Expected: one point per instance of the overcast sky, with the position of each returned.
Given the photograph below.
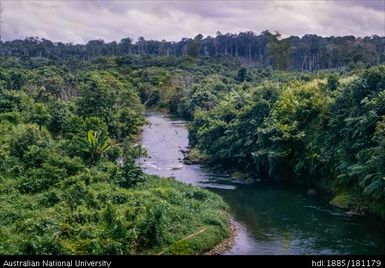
(78, 21)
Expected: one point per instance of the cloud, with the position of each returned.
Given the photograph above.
(83, 20)
(367, 4)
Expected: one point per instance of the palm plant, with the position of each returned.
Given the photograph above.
(95, 145)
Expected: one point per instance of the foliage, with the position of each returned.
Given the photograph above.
(68, 179)
(308, 53)
(95, 145)
(69, 183)
(324, 132)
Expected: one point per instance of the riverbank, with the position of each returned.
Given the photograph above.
(191, 220)
(352, 203)
(272, 218)
(226, 244)
(157, 215)
(211, 226)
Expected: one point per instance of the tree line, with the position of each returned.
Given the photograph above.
(308, 53)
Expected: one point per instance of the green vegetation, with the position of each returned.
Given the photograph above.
(88, 214)
(68, 179)
(323, 131)
(69, 183)
(307, 53)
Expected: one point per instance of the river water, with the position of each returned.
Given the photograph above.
(271, 219)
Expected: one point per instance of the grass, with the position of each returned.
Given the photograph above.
(342, 200)
(195, 156)
(158, 216)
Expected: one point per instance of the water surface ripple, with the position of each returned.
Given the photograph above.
(271, 219)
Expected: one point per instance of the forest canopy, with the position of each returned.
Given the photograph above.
(307, 111)
(69, 183)
(307, 53)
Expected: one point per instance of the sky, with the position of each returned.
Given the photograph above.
(79, 21)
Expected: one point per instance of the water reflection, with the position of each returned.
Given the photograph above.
(272, 219)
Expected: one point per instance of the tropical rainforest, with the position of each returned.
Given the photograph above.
(304, 111)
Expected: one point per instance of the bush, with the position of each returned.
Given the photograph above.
(26, 136)
(130, 175)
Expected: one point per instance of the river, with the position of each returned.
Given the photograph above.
(271, 219)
